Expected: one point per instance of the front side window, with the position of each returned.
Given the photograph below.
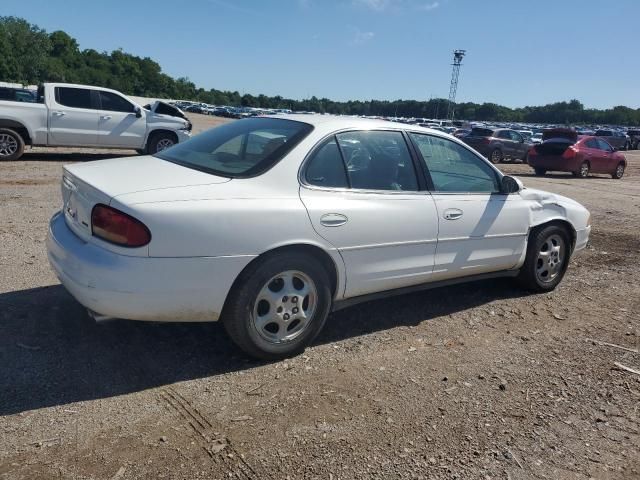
(453, 168)
(602, 145)
(74, 97)
(516, 137)
(504, 134)
(115, 103)
(378, 160)
(239, 149)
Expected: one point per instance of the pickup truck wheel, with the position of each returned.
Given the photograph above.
(160, 141)
(278, 306)
(496, 156)
(548, 253)
(11, 145)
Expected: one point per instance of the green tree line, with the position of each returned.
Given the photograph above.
(30, 55)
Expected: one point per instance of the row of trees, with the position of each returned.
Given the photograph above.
(30, 55)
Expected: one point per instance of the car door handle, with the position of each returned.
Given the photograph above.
(105, 117)
(59, 114)
(452, 214)
(333, 220)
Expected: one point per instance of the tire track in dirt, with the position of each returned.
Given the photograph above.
(218, 447)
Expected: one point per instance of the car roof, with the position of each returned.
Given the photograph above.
(337, 122)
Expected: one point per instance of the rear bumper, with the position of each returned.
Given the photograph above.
(140, 288)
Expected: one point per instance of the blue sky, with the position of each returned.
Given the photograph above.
(519, 52)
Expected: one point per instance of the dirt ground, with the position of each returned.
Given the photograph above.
(476, 381)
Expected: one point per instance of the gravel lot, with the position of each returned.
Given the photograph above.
(475, 381)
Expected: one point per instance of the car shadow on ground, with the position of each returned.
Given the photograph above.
(53, 156)
(51, 353)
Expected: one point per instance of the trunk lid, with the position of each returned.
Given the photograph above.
(556, 141)
(86, 184)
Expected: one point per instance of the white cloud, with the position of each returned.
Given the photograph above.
(429, 6)
(396, 5)
(360, 37)
(377, 5)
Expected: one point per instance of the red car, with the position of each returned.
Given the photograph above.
(562, 150)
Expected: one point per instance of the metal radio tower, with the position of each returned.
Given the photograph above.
(458, 55)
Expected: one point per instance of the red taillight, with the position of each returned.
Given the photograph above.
(570, 152)
(117, 227)
(532, 151)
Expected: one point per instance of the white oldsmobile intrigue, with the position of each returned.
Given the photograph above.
(270, 223)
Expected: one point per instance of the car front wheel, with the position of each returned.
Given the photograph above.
(547, 259)
(160, 141)
(278, 306)
(619, 171)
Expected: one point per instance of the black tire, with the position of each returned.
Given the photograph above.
(583, 170)
(496, 156)
(141, 151)
(540, 172)
(528, 276)
(619, 172)
(238, 314)
(627, 146)
(11, 145)
(159, 141)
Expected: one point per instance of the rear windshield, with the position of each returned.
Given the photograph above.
(481, 132)
(243, 148)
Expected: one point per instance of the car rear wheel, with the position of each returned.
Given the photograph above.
(278, 306)
(496, 156)
(541, 172)
(160, 141)
(11, 145)
(583, 171)
(619, 172)
(547, 259)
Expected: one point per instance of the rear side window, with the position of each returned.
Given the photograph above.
(239, 149)
(74, 97)
(604, 146)
(591, 143)
(453, 168)
(115, 103)
(326, 168)
(505, 134)
(378, 160)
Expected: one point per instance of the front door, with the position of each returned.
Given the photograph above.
(119, 126)
(363, 196)
(480, 229)
(73, 118)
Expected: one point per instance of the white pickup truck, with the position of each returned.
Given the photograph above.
(67, 115)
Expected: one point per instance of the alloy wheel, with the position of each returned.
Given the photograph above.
(8, 145)
(164, 143)
(550, 258)
(285, 307)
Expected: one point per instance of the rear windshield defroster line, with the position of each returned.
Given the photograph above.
(239, 149)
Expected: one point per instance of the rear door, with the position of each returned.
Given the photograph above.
(480, 230)
(363, 196)
(507, 143)
(119, 126)
(520, 148)
(73, 117)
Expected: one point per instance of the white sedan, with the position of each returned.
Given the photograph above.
(269, 224)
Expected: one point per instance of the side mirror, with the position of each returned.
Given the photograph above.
(510, 185)
(138, 111)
